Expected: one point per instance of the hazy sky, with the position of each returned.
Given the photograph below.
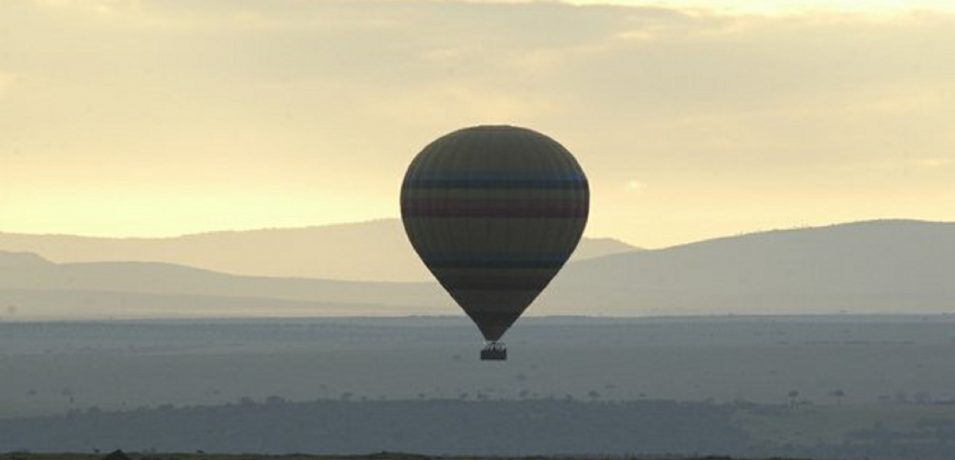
(692, 118)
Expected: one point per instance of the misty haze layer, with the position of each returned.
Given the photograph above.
(870, 267)
(366, 251)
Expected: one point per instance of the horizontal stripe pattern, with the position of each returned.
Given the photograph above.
(498, 210)
(512, 282)
(491, 261)
(494, 212)
(497, 183)
(448, 194)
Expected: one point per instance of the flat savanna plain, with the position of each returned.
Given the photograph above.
(804, 387)
(52, 368)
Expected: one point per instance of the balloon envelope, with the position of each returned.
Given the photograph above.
(494, 212)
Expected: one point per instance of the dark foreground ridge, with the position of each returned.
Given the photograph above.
(562, 428)
(120, 455)
(432, 427)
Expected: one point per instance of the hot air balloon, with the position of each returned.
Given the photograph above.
(494, 212)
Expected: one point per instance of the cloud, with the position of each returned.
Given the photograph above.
(635, 186)
(90, 6)
(933, 162)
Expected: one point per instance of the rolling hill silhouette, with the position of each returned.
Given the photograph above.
(37, 287)
(897, 266)
(366, 251)
(866, 267)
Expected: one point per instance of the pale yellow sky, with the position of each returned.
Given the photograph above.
(693, 119)
(782, 7)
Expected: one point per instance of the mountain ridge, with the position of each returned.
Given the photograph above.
(896, 266)
(374, 250)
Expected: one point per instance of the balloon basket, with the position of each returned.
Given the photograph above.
(494, 352)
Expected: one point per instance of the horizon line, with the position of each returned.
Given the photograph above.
(386, 219)
(465, 320)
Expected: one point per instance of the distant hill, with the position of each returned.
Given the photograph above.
(367, 251)
(867, 267)
(886, 266)
(35, 287)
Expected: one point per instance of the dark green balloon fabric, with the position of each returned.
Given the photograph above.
(494, 212)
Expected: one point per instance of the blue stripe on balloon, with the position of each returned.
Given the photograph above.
(496, 180)
(485, 261)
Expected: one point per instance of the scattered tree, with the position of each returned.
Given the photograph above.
(275, 400)
(793, 396)
(838, 394)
